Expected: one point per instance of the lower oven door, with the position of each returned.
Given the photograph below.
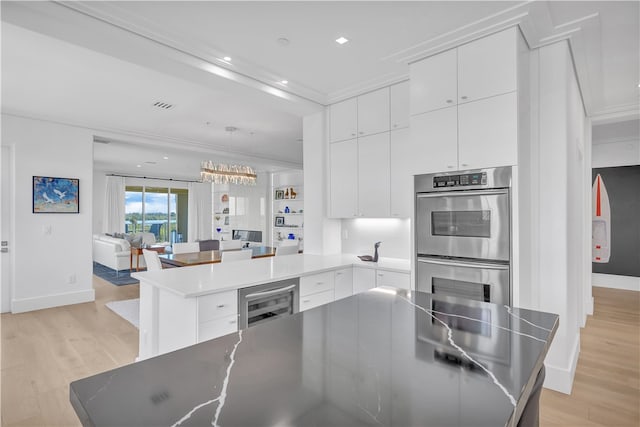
(262, 303)
(481, 281)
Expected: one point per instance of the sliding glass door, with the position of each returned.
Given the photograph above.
(158, 210)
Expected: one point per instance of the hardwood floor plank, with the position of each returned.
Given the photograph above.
(607, 380)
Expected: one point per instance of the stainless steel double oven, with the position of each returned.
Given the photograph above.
(463, 234)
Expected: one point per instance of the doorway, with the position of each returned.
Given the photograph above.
(6, 221)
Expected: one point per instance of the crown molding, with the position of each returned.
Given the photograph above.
(114, 14)
(158, 141)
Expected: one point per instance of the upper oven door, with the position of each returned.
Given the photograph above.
(466, 224)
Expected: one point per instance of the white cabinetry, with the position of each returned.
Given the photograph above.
(359, 174)
(343, 283)
(401, 158)
(344, 120)
(434, 140)
(488, 66)
(399, 105)
(488, 132)
(343, 187)
(434, 82)
(464, 105)
(363, 279)
(393, 278)
(373, 112)
(217, 315)
(373, 175)
(316, 290)
(365, 115)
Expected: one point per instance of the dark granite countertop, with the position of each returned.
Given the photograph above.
(383, 357)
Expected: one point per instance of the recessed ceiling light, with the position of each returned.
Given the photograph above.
(166, 158)
(227, 58)
(284, 82)
(341, 40)
(138, 166)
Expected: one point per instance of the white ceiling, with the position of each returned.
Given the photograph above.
(109, 61)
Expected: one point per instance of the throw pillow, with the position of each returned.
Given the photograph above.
(136, 241)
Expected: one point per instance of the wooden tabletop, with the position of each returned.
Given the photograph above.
(210, 257)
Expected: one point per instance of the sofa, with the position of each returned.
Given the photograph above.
(115, 252)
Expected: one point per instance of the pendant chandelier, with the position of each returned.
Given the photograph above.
(227, 174)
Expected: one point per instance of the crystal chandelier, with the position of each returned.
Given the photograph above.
(225, 174)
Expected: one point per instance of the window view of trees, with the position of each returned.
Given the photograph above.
(161, 211)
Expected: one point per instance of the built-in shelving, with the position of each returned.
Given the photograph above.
(288, 197)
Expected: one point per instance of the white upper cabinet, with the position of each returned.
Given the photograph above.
(488, 132)
(344, 179)
(399, 105)
(434, 82)
(344, 120)
(373, 175)
(434, 141)
(401, 155)
(488, 67)
(373, 112)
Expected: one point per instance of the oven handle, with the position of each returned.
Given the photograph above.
(271, 292)
(470, 264)
(464, 193)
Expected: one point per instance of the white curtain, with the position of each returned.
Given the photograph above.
(199, 225)
(114, 205)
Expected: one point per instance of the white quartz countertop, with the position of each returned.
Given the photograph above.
(211, 278)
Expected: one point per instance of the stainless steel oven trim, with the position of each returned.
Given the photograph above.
(501, 292)
(271, 292)
(470, 264)
(499, 177)
(465, 193)
(245, 295)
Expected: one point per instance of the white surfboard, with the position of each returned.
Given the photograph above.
(601, 227)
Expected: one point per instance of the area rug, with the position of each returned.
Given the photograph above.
(128, 309)
(123, 277)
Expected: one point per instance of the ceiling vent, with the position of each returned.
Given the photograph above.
(163, 105)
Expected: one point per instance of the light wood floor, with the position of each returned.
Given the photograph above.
(606, 388)
(43, 351)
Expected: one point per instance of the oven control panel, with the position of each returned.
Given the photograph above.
(478, 178)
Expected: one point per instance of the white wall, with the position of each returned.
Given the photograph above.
(321, 234)
(45, 264)
(612, 154)
(99, 187)
(360, 234)
(616, 144)
(562, 188)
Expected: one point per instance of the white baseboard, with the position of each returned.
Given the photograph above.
(629, 283)
(48, 301)
(561, 379)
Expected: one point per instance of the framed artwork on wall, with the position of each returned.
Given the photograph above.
(56, 195)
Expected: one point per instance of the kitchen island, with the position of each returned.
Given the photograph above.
(383, 357)
(184, 306)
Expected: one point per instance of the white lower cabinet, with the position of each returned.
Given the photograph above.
(217, 315)
(311, 301)
(316, 289)
(217, 328)
(363, 279)
(316, 283)
(393, 278)
(343, 283)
